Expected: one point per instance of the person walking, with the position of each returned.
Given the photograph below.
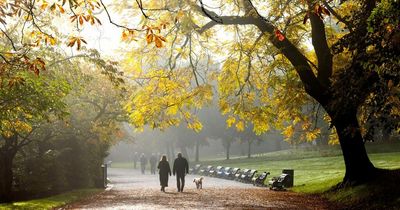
(180, 168)
(143, 162)
(164, 171)
(153, 162)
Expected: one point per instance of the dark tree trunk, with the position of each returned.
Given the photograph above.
(359, 168)
(197, 150)
(6, 175)
(249, 149)
(228, 147)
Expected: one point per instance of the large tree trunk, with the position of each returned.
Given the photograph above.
(358, 166)
(6, 175)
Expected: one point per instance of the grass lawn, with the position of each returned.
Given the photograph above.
(53, 201)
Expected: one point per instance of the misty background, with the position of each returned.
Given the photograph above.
(214, 141)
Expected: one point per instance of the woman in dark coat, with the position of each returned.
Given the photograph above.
(164, 171)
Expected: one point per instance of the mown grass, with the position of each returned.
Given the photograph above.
(53, 201)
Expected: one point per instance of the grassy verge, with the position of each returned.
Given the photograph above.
(53, 201)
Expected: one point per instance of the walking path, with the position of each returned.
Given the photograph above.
(132, 190)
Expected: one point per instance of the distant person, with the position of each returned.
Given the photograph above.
(135, 159)
(164, 171)
(143, 162)
(153, 162)
(181, 168)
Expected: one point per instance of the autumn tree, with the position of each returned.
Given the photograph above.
(320, 46)
(23, 108)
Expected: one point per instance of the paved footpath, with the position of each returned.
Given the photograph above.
(132, 190)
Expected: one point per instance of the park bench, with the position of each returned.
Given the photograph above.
(214, 171)
(242, 175)
(195, 169)
(205, 171)
(233, 173)
(280, 182)
(249, 176)
(223, 173)
(260, 179)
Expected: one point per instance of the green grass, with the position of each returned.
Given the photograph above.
(53, 201)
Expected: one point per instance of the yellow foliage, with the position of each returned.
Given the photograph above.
(288, 132)
(333, 137)
(240, 126)
(312, 135)
(195, 125)
(230, 121)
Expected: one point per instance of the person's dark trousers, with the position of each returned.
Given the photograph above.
(180, 182)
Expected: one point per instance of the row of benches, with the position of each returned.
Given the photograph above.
(245, 175)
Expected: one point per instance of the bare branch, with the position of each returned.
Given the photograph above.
(140, 5)
(112, 22)
(9, 39)
(210, 14)
(337, 16)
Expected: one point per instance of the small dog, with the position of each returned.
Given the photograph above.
(198, 182)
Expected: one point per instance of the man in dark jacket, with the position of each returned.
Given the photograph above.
(181, 168)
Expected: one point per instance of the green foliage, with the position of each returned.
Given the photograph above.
(53, 201)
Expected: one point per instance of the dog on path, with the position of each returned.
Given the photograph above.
(198, 182)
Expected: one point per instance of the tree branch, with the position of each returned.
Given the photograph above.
(337, 16)
(112, 22)
(321, 48)
(300, 62)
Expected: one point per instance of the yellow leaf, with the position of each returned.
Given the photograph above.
(52, 41)
(240, 126)
(172, 110)
(44, 5)
(230, 121)
(149, 38)
(158, 41)
(288, 131)
(80, 20)
(61, 9)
